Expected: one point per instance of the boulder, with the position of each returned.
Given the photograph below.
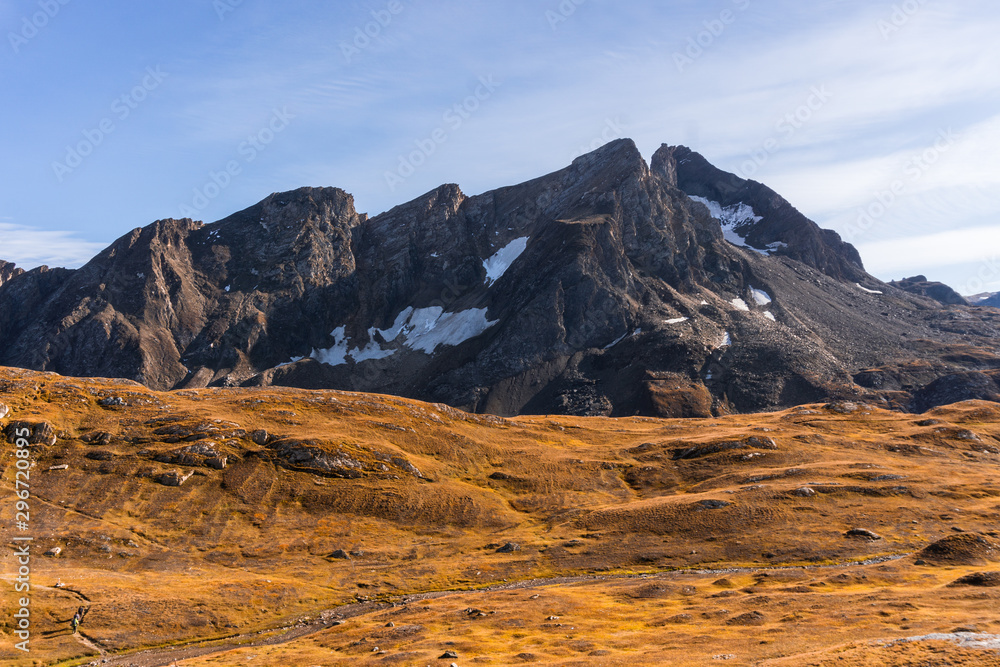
(173, 478)
(862, 534)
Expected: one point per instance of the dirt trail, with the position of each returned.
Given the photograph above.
(86, 641)
(281, 635)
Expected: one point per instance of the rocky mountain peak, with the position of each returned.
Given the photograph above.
(757, 217)
(620, 157)
(8, 271)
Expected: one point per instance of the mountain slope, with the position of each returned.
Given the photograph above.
(609, 287)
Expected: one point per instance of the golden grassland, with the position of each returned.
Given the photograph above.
(681, 542)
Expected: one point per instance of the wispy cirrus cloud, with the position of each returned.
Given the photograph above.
(29, 247)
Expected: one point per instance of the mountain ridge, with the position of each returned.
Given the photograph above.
(608, 287)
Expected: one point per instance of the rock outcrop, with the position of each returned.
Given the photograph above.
(937, 291)
(8, 271)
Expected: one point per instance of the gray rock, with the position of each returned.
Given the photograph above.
(217, 462)
(53, 552)
(863, 534)
(448, 655)
(313, 456)
(935, 290)
(173, 478)
(4, 410)
(713, 504)
(509, 548)
(805, 492)
(260, 437)
(41, 433)
(340, 554)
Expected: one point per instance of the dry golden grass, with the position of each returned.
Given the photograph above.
(248, 548)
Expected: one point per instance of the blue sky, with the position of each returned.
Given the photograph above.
(878, 119)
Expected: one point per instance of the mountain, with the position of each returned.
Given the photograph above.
(937, 291)
(991, 299)
(610, 287)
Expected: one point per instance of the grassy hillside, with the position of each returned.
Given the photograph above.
(293, 502)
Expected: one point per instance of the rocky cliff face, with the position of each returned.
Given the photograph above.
(609, 287)
(8, 271)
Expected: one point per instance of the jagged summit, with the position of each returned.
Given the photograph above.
(8, 271)
(606, 287)
(780, 229)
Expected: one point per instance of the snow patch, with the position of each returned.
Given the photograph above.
(498, 264)
(425, 329)
(287, 363)
(371, 351)
(865, 289)
(616, 341)
(140, 275)
(677, 320)
(421, 329)
(769, 315)
(227, 287)
(336, 355)
(761, 297)
(726, 340)
(624, 336)
(740, 304)
(731, 218)
(397, 327)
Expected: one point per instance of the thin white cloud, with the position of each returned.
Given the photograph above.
(974, 246)
(29, 247)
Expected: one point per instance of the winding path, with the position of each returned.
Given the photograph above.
(274, 636)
